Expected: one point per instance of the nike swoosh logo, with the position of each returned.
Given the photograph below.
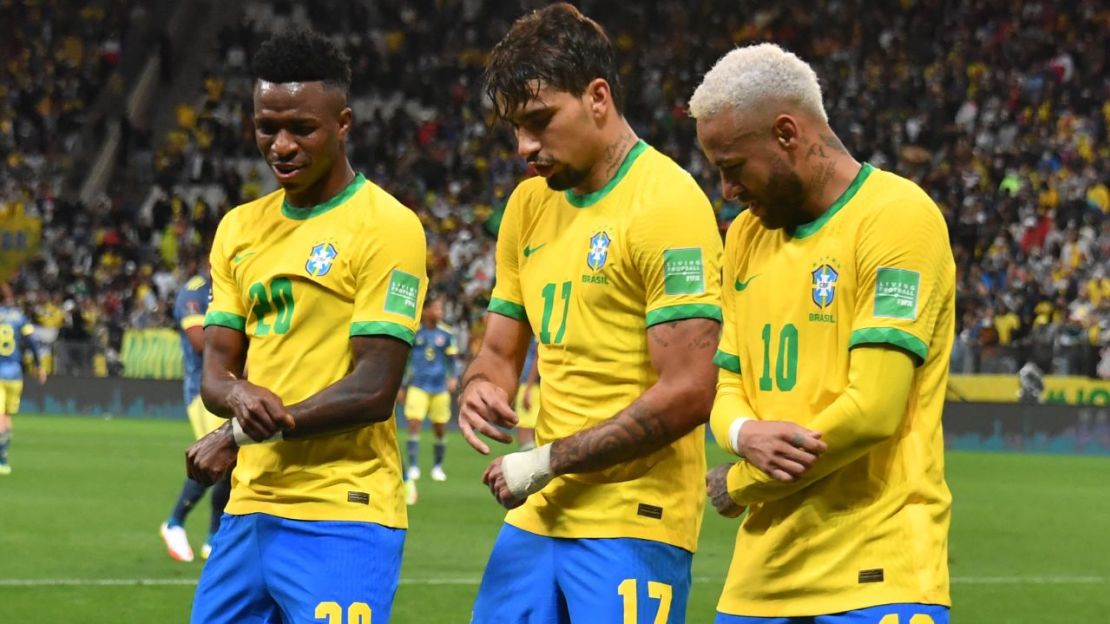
(528, 251)
(740, 286)
(241, 257)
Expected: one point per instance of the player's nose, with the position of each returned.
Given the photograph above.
(284, 145)
(526, 143)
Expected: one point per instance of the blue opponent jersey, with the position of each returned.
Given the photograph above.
(188, 311)
(14, 331)
(432, 359)
(528, 361)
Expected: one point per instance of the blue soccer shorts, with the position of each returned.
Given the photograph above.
(266, 569)
(907, 613)
(534, 579)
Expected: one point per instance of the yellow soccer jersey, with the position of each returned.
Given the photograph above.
(590, 274)
(299, 285)
(875, 269)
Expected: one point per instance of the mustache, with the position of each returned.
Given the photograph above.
(540, 162)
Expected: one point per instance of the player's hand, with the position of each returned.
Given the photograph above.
(260, 412)
(42, 375)
(495, 480)
(781, 449)
(526, 398)
(452, 385)
(482, 405)
(210, 457)
(716, 486)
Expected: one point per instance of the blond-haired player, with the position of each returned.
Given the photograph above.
(839, 291)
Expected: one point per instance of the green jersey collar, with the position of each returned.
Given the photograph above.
(300, 214)
(589, 199)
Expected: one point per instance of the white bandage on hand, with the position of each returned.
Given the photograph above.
(241, 437)
(734, 435)
(527, 472)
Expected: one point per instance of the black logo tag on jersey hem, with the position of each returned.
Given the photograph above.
(649, 511)
(871, 576)
(358, 497)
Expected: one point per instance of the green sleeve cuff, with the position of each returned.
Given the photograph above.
(682, 312)
(727, 361)
(383, 328)
(891, 336)
(226, 319)
(508, 308)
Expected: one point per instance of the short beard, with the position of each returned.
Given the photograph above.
(785, 195)
(567, 178)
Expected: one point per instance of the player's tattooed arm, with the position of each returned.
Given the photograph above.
(681, 399)
(363, 397)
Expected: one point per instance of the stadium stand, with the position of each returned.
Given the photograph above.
(999, 110)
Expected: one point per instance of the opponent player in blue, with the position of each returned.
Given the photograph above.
(430, 382)
(188, 314)
(15, 336)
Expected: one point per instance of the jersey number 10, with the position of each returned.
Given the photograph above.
(786, 364)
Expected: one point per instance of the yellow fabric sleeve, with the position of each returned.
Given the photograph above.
(731, 403)
(507, 298)
(869, 411)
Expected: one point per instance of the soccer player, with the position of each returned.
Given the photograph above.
(528, 399)
(839, 319)
(431, 382)
(15, 340)
(611, 258)
(317, 291)
(188, 312)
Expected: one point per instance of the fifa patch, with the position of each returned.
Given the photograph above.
(896, 293)
(871, 576)
(402, 294)
(649, 511)
(320, 259)
(683, 273)
(824, 285)
(358, 497)
(599, 251)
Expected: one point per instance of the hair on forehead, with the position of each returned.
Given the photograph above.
(301, 55)
(556, 46)
(747, 77)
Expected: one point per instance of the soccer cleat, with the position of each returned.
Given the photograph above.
(414, 473)
(410, 492)
(438, 474)
(206, 551)
(177, 543)
(5, 469)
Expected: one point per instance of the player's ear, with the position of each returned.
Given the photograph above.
(786, 133)
(598, 97)
(346, 118)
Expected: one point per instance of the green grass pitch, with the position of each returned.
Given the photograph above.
(79, 537)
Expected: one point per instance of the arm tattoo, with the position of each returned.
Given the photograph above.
(635, 432)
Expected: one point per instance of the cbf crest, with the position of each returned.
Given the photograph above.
(824, 285)
(599, 250)
(320, 259)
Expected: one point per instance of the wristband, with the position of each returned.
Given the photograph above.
(527, 472)
(734, 435)
(241, 437)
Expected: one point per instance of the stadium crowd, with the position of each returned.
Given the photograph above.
(999, 110)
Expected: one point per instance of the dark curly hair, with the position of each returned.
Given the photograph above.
(302, 56)
(557, 46)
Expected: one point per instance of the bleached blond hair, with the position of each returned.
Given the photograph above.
(747, 77)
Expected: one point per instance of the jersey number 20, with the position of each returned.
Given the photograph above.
(332, 613)
(279, 299)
